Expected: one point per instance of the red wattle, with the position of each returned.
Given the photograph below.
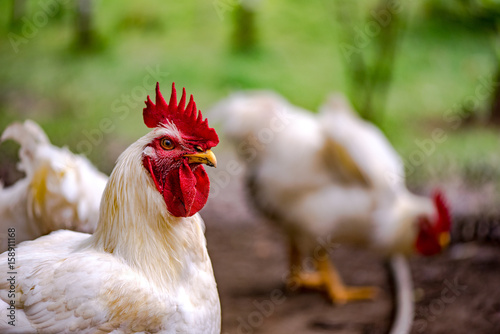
(186, 190)
(427, 242)
(148, 164)
(426, 245)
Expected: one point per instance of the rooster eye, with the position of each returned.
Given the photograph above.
(198, 148)
(166, 144)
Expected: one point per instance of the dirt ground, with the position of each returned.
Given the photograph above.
(457, 291)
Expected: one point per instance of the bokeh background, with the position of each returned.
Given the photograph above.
(426, 72)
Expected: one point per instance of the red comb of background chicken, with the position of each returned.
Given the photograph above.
(444, 221)
(189, 121)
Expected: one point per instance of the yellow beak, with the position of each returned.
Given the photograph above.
(208, 158)
(444, 239)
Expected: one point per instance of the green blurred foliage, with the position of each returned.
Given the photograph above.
(436, 68)
(476, 14)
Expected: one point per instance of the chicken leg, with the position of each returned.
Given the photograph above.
(325, 278)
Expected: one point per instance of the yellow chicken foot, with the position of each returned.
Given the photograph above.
(298, 277)
(337, 291)
(327, 278)
(309, 279)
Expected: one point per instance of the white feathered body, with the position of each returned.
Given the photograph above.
(327, 177)
(142, 271)
(61, 190)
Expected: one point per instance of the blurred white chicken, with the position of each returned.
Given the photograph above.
(328, 178)
(61, 190)
(146, 268)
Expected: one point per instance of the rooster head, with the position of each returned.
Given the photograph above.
(175, 156)
(433, 237)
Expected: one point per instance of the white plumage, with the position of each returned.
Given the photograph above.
(142, 271)
(326, 177)
(61, 190)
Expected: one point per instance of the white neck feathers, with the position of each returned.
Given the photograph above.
(134, 223)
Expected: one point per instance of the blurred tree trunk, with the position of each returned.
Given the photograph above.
(18, 11)
(381, 76)
(494, 116)
(245, 32)
(84, 32)
(369, 73)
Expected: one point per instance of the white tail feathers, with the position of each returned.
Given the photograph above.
(27, 134)
(30, 136)
(337, 102)
(60, 189)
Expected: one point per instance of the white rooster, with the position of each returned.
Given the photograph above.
(328, 178)
(146, 268)
(61, 190)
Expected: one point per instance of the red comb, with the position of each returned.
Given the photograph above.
(188, 120)
(444, 221)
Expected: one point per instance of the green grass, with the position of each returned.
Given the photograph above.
(68, 91)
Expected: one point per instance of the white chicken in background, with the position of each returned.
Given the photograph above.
(61, 190)
(146, 268)
(328, 178)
